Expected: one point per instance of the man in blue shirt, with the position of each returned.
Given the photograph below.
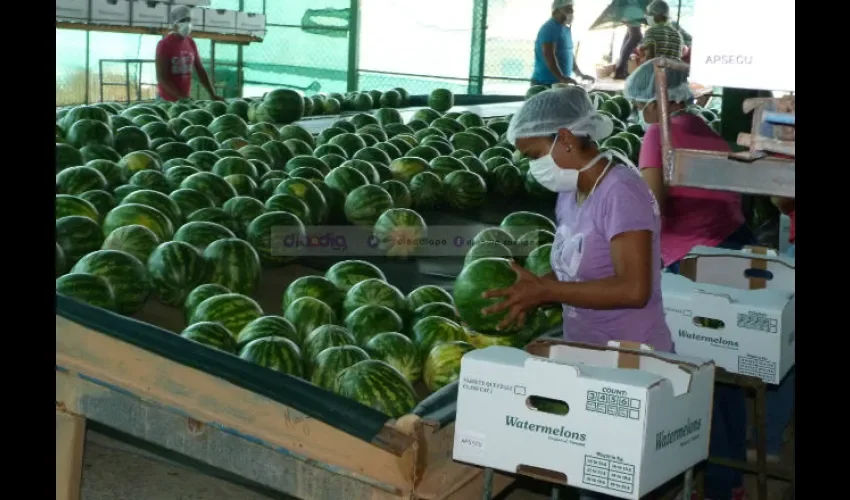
(554, 61)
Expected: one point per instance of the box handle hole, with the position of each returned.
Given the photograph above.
(548, 405)
(714, 324)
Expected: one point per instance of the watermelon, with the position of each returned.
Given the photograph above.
(110, 171)
(200, 294)
(151, 179)
(266, 326)
(67, 204)
(88, 288)
(201, 234)
(67, 156)
(441, 100)
(366, 203)
(539, 260)
(135, 239)
(495, 234)
(426, 189)
(309, 194)
(330, 362)
(273, 235)
(211, 334)
(531, 240)
(367, 321)
(468, 119)
(61, 265)
(427, 294)
(243, 209)
(242, 184)
(374, 292)
(135, 162)
(291, 204)
(234, 165)
(442, 365)
(398, 232)
(476, 278)
(234, 264)
(348, 273)
(322, 338)
(506, 181)
(211, 185)
(481, 340)
(238, 107)
(129, 139)
(397, 351)
(406, 167)
(399, 193)
(518, 223)
(346, 179)
(126, 275)
(266, 128)
(307, 314)
(377, 385)
(232, 310)
(98, 152)
(85, 132)
(215, 215)
(77, 180)
(317, 287)
(465, 190)
(432, 330)
(135, 213)
(190, 200)
(77, 236)
(277, 353)
(442, 309)
(390, 99)
(203, 160)
(229, 123)
(282, 106)
(487, 249)
(444, 165)
(154, 199)
(176, 268)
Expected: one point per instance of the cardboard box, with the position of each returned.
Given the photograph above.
(636, 418)
(194, 3)
(749, 295)
(784, 233)
(150, 14)
(742, 57)
(251, 24)
(197, 18)
(220, 21)
(75, 11)
(113, 12)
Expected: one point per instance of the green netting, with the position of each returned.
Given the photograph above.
(70, 67)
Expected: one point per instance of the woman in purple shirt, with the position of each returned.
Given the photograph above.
(606, 255)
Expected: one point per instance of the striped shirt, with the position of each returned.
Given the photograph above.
(664, 39)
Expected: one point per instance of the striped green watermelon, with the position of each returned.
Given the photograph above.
(482, 340)
(351, 143)
(135, 239)
(121, 191)
(77, 180)
(506, 181)
(151, 179)
(377, 385)
(346, 179)
(203, 160)
(135, 162)
(375, 292)
(125, 274)
(267, 326)
(67, 204)
(317, 287)
(157, 200)
(61, 265)
(233, 263)
(347, 273)
(531, 240)
(399, 193)
(291, 204)
(465, 190)
(487, 249)
(102, 201)
(493, 163)
(270, 233)
(495, 234)
(367, 321)
(399, 232)
(441, 309)
(279, 153)
(200, 294)
(444, 165)
(234, 165)
(78, 236)
(229, 123)
(372, 155)
(176, 268)
(365, 168)
(426, 153)
(201, 234)
(136, 213)
(427, 294)
(85, 132)
(88, 288)
(307, 314)
(242, 184)
(475, 165)
(404, 169)
(215, 215)
(539, 260)
(110, 171)
(282, 106)
(211, 334)
(277, 353)
(232, 310)
(461, 153)
(244, 209)
(332, 361)
(301, 161)
(426, 189)
(397, 351)
(322, 338)
(442, 365)
(212, 186)
(476, 278)
(365, 204)
(519, 223)
(335, 201)
(309, 193)
(432, 330)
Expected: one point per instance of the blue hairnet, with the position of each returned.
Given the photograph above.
(640, 85)
(551, 110)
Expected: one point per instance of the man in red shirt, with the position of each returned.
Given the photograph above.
(176, 56)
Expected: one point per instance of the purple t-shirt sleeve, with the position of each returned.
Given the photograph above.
(650, 151)
(629, 206)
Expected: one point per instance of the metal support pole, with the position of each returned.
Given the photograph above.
(477, 52)
(488, 484)
(354, 46)
(88, 71)
(127, 79)
(664, 107)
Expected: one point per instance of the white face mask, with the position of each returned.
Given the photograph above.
(183, 29)
(650, 20)
(554, 178)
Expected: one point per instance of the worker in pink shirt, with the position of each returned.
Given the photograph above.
(177, 56)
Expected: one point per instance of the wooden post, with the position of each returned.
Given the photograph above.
(70, 440)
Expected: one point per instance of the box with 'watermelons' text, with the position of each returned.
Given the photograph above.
(736, 307)
(610, 419)
(220, 21)
(75, 11)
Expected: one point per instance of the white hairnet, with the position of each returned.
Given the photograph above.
(640, 85)
(180, 12)
(658, 8)
(551, 110)
(560, 4)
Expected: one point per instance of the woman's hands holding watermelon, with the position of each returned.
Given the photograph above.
(528, 292)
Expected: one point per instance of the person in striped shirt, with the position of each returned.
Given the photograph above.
(661, 39)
